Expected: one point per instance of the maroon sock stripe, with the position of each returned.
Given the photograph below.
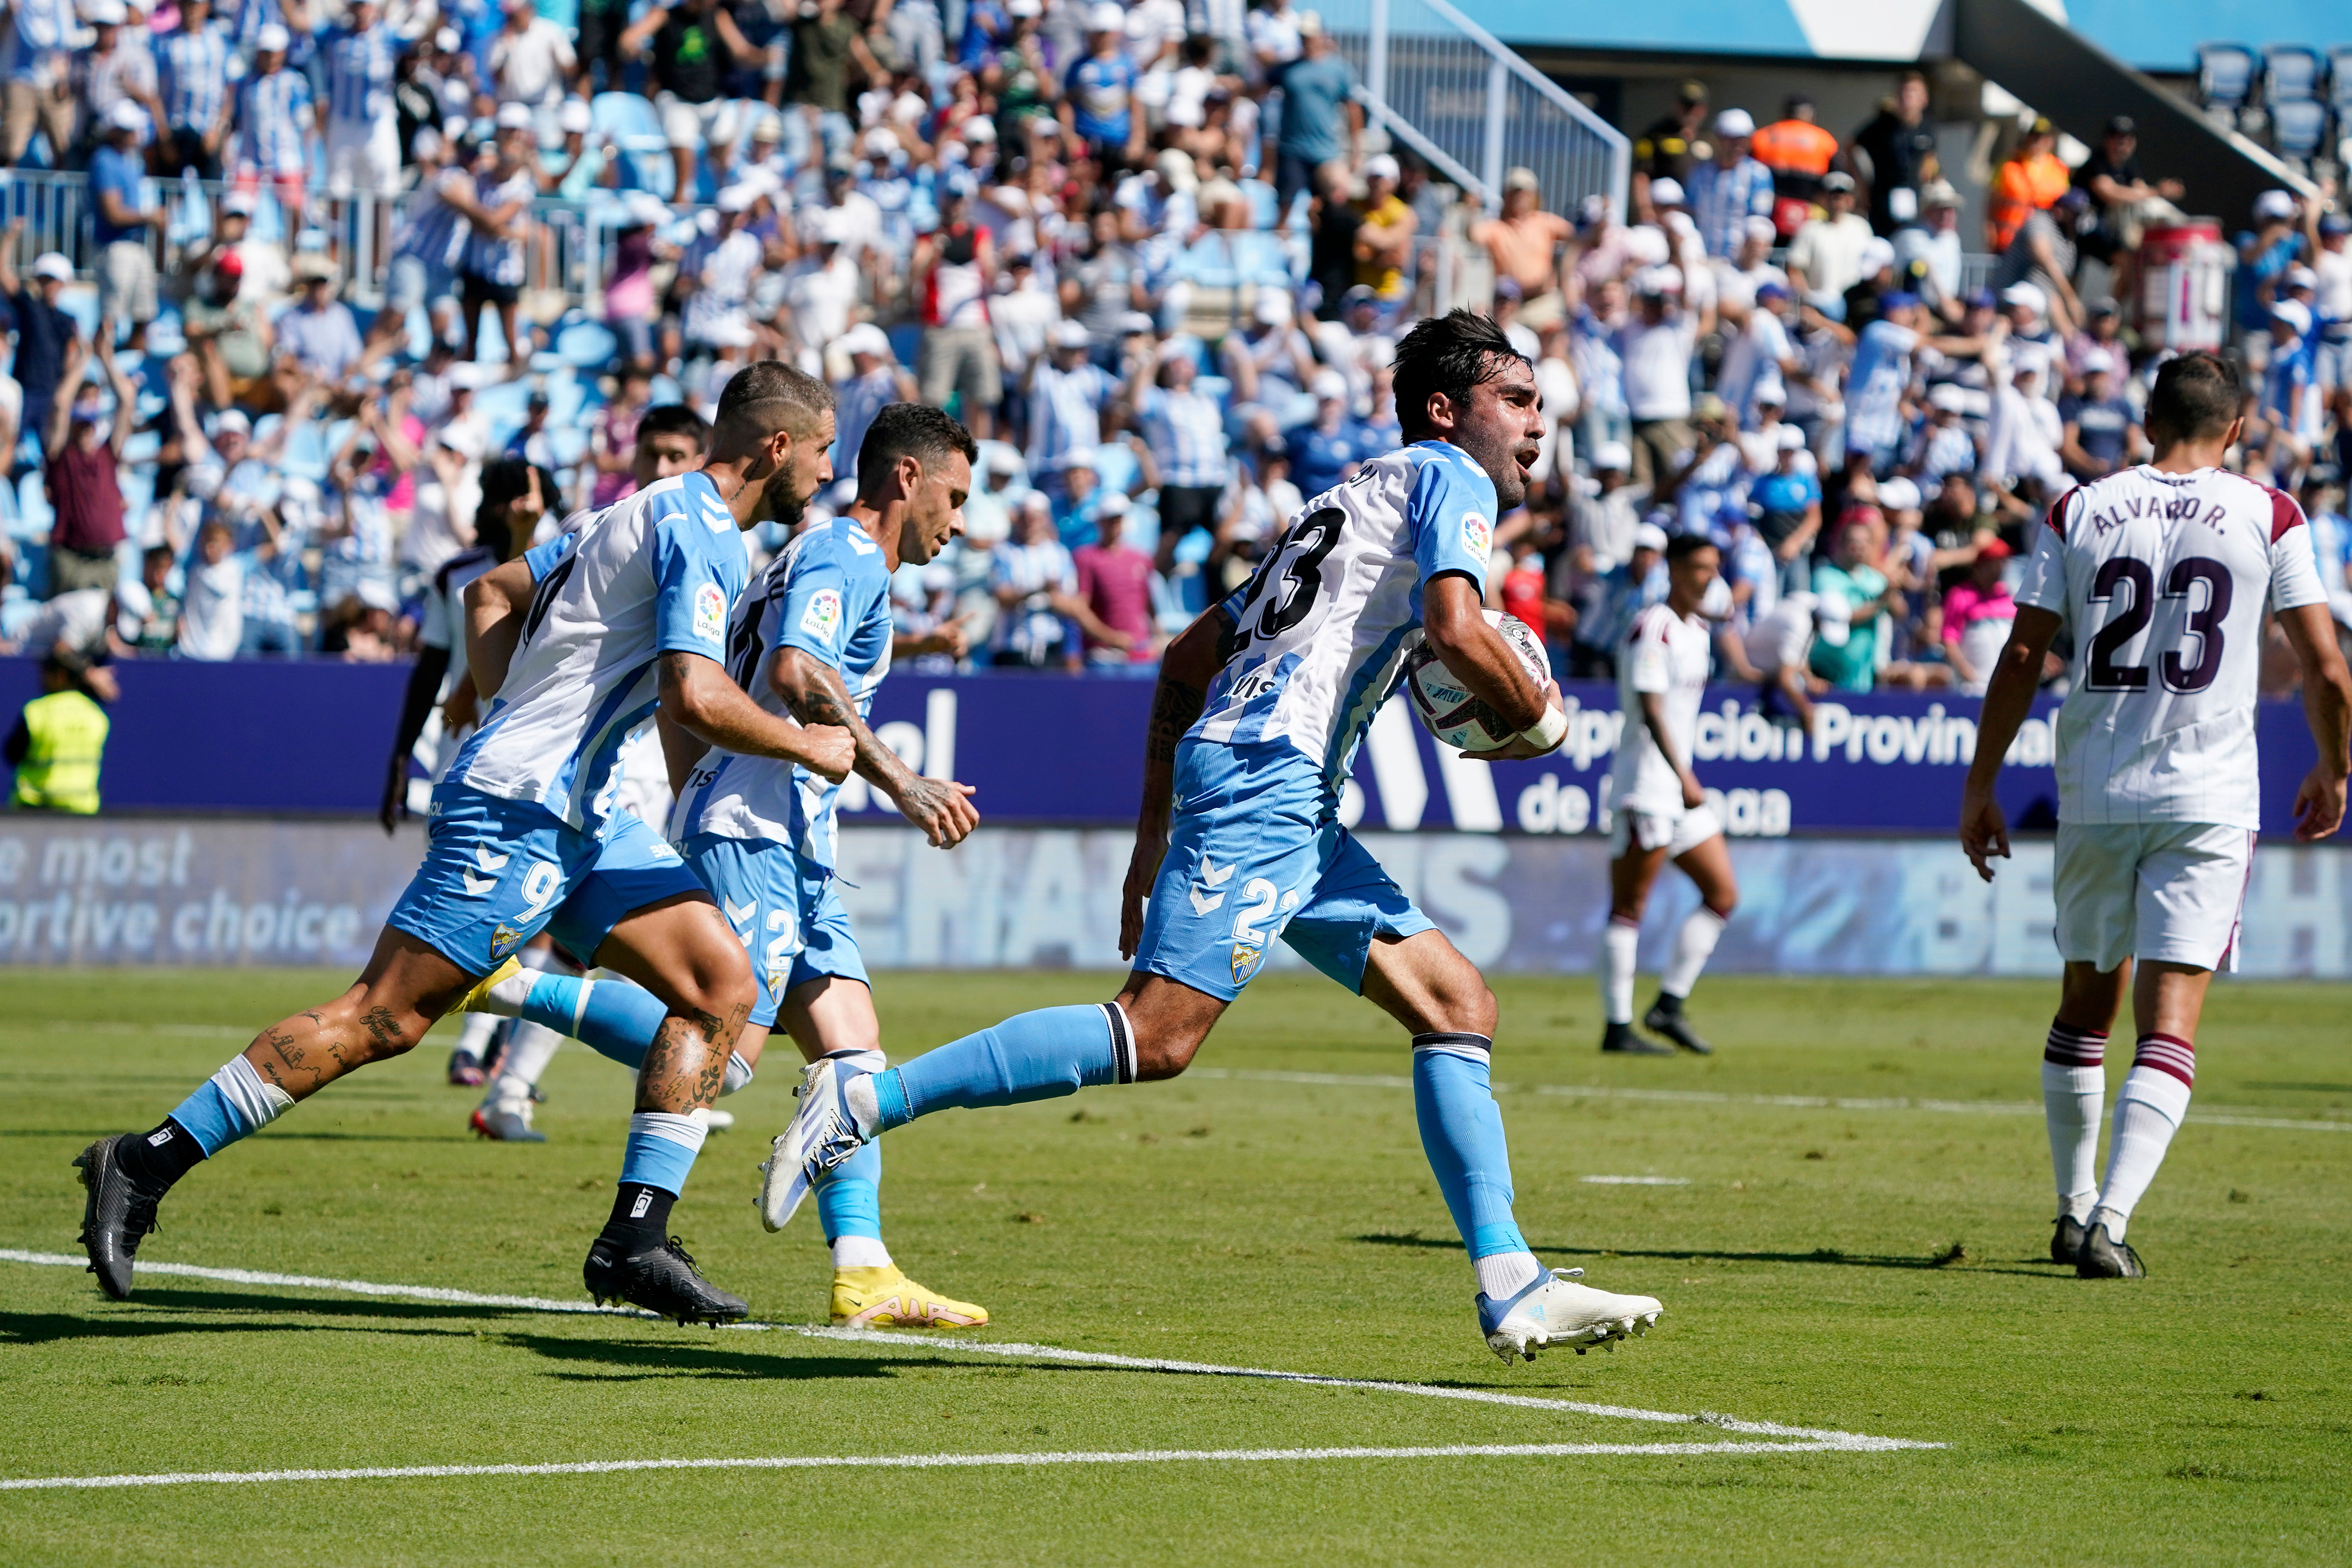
(2167, 1054)
(2072, 1048)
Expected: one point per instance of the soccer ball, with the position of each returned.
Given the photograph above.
(1447, 710)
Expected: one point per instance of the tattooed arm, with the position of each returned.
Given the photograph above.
(1190, 662)
(703, 700)
(813, 691)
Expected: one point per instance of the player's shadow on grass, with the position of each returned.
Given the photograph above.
(638, 1361)
(1929, 1262)
(53, 1328)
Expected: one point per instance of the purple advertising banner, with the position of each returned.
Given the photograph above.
(278, 738)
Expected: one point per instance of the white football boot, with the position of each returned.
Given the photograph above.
(1555, 1311)
(821, 1135)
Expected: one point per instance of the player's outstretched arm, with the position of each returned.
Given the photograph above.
(813, 691)
(2327, 708)
(2008, 698)
(1186, 667)
(703, 700)
(1455, 623)
(495, 605)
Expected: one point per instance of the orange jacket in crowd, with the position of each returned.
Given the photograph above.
(2020, 187)
(1795, 146)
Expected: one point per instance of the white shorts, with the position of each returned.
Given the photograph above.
(692, 125)
(363, 160)
(1680, 830)
(2170, 891)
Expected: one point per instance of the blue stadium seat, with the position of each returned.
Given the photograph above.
(2340, 78)
(586, 345)
(2292, 73)
(636, 133)
(2225, 75)
(2299, 128)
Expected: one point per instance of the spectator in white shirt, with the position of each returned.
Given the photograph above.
(212, 610)
(530, 58)
(1825, 258)
(1656, 346)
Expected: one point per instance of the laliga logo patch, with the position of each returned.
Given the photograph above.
(709, 613)
(823, 616)
(1245, 961)
(1478, 534)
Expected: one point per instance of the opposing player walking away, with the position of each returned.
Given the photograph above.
(1260, 706)
(2161, 574)
(811, 639)
(1660, 812)
(628, 613)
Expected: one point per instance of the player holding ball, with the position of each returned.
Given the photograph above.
(1260, 707)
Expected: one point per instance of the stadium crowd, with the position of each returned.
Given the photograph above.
(1150, 253)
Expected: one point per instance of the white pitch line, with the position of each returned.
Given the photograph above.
(1824, 1438)
(2222, 1116)
(1637, 1181)
(917, 1462)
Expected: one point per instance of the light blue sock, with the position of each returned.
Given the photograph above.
(233, 1103)
(849, 1196)
(661, 1150)
(1461, 1134)
(1034, 1055)
(615, 1019)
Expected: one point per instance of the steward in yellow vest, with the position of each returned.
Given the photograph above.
(57, 745)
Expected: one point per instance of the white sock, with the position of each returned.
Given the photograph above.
(860, 1252)
(1694, 942)
(473, 1034)
(2073, 1085)
(1618, 944)
(858, 1095)
(738, 1073)
(528, 1050)
(2148, 1112)
(1506, 1274)
(506, 998)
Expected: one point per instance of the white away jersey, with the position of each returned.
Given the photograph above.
(1321, 631)
(1665, 655)
(2162, 579)
(654, 574)
(827, 595)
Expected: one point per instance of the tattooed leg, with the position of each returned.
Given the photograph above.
(405, 986)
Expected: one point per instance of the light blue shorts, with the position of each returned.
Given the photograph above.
(1255, 853)
(498, 872)
(788, 913)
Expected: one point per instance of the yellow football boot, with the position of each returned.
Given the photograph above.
(885, 1299)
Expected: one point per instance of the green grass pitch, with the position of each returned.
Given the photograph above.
(1877, 1268)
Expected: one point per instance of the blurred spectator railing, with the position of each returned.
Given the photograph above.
(1461, 94)
(569, 251)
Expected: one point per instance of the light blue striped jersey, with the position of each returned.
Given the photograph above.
(435, 232)
(1321, 631)
(828, 594)
(270, 111)
(193, 70)
(654, 574)
(488, 258)
(360, 63)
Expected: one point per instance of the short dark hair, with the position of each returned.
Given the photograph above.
(508, 479)
(1683, 545)
(914, 430)
(767, 395)
(1449, 354)
(676, 420)
(2195, 398)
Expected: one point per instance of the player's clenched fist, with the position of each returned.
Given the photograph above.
(828, 749)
